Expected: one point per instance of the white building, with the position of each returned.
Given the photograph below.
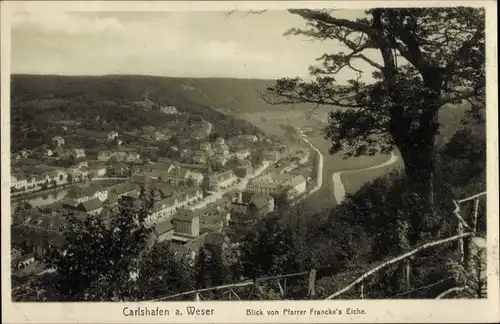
(242, 154)
(222, 180)
(112, 135)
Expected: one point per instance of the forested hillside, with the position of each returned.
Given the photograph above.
(121, 103)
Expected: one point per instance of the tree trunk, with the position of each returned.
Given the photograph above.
(417, 150)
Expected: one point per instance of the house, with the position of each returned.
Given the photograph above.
(118, 169)
(163, 231)
(297, 183)
(285, 168)
(191, 195)
(243, 171)
(104, 156)
(60, 176)
(25, 154)
(242, 154)
(303, 157)
(219, 141)
(264, 187)
(25, 260)
(249, 138)
(197, 177)
(78, 175)
(112, 135)
(97, 169)
(80, 164)
(158, 171)
(278, 183)
(49, 152)
(159, 136)
(199, 159)
(186, 224)
(122, 189)
(58, 141)
(205, 147)
(169, 110)
(86, 193)
(222, 149)
(91, 207)
(222, 180)
(131, 154)
(221, 159)
(178, 175)
(162, 209)
(260, 205)
(18, 182)
(77, 153)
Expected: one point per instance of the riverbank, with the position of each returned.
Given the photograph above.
(339, 190)
(323, 198)
(319, 176)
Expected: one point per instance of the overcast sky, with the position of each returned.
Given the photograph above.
(184, 44)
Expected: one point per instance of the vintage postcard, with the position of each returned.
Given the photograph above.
(249, 162)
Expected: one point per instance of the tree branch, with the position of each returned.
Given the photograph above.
(324, 17)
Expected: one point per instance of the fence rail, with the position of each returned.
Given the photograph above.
(466, 231)
(461, 236)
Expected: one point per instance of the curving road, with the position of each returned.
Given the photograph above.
(338, 186)
(319, 182)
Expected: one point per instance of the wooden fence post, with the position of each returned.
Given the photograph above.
(407, 276)
(312, 284)
(474, 215)
(467, 252)
(461, 241)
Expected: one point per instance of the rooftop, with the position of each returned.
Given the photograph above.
(184, 215)
(163, 227)
(90, 205)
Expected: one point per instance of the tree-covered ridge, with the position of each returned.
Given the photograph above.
(109, 103)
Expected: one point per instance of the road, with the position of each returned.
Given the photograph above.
(109, 178)
(319, 181)
(338, 185)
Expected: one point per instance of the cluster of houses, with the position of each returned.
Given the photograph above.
(37, 176)
(119, 155)
(292, 185)
(175, 216)
(168, 172)
(219, 152)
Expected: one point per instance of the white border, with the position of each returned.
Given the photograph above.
(465, 311)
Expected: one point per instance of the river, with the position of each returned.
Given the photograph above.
(44, 198)
(324, 198)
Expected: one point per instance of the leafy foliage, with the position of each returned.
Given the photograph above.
(101, 261)
(430, 56)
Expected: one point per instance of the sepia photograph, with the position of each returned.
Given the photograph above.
(249, 154)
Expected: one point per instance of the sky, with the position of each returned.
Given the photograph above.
(176, 44)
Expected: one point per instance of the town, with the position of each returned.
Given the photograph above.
(197, 197)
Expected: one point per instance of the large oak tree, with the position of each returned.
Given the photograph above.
(428, 57)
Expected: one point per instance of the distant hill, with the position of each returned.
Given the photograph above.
(125, 102)
(229, 95)
(202, 97)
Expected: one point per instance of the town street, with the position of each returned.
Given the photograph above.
(338, 185)
(241, 185)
